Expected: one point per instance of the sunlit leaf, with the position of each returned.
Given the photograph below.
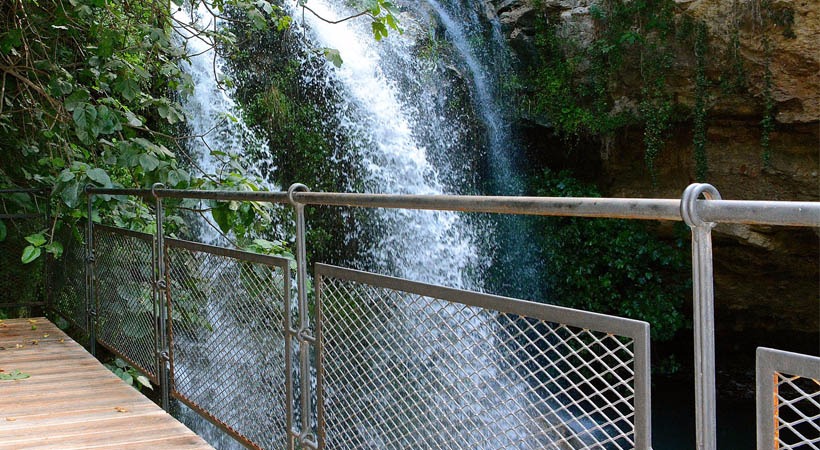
(30, 253)
(36, 239)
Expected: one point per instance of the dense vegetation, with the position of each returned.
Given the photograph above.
(597, 83)
(91, 94)
(612, 266)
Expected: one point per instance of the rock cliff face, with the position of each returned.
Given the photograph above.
(766, 277)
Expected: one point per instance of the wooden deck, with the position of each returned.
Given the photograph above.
(71, 401)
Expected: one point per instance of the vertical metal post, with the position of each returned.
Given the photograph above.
(47, 266)
(90, 277)
(160, 292)
(306, 435)
(703, 298)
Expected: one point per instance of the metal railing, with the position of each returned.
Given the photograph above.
(584, 380)
(456, 369)
(788, 400)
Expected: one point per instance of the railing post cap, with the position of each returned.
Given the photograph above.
(154, 188)
(296, 187)
(688, 210)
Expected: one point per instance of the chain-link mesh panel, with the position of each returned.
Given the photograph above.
(126, 311)
(788, 412)
(68, 281)
(228, 350)
(406, 365)
(798, 412)
(21, 284)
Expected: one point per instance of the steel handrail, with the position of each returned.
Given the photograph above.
(752, 212)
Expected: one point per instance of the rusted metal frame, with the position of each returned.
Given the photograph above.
(161, 322)
(769, 364)
(320, 359)
(703, 299)
(47, 266)
(306, 437)
(242, 439)
(148, 238)
(222, 251)
(636, 330)
(90, 278)
(271, 261)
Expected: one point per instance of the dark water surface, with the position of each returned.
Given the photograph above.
(673, 419)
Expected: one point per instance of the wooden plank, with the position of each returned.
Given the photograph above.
(71, 400)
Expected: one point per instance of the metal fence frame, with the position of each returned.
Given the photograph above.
(636, 330)
(96, 308)
(700, 215)
(274, 262)
(771, 365)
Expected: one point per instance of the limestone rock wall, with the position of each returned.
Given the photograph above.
(766, 277)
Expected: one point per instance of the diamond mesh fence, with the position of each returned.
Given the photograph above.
(788, 412)
(69, 283)
(798, 412)
(126, 310)
(229, 355)
(407, 365)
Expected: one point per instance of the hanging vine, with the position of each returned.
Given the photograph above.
(701, 92)
(767, 123)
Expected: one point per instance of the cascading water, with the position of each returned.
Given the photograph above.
(405, 140)
(437, 247)
(218, 134)
(484, 53)
(427, 246)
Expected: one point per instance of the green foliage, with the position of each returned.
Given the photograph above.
(128, 374)
(14, 375)
(575, 85)
(91, 96)
(299, 122)
(612, 266)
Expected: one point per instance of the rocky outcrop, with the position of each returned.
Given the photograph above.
(766, 277)
(792, 28)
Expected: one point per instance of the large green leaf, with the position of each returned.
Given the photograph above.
(71, 194)
(148, 162)
(3, 231)
(77, 99)
(30, 253)
(99, 176)
(36, 240)
(222, 215)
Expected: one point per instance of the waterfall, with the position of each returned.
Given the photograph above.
(408, 142)
(428, 246)
(396, 150)
(482, 49)
(219, 139)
